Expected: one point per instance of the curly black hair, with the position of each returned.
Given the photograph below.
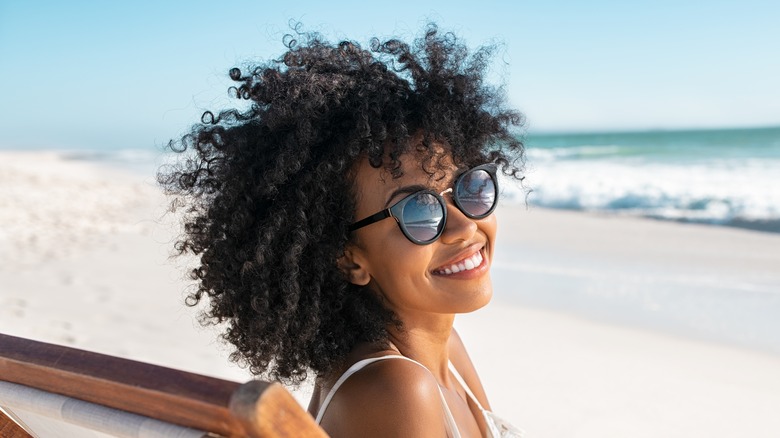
(268, 195)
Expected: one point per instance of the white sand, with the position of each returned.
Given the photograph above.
(561, 376)
(83, 262)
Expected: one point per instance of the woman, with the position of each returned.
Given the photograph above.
(289, 205)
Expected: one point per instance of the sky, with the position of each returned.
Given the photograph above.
(91, 75)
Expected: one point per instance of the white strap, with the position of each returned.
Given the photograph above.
(452, 427)
(465, 387)
(357, 366)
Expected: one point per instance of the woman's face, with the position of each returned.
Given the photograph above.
(419, 279)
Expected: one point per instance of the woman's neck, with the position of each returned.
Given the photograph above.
(425, 340)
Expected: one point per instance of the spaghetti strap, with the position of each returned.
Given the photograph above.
(497, 427)
(465, 387)
(452, 427)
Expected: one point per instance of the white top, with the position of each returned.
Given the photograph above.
(497, 427)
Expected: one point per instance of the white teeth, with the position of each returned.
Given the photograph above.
(465, 265)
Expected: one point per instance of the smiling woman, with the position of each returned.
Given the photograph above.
(442, 276)
(286, 206)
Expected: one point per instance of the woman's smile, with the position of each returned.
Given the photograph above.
(473, 265)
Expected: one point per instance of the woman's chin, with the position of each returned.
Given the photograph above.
(475, 298)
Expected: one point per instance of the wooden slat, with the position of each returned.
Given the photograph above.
(166, 394)
(9, 428)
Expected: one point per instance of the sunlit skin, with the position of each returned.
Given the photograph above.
(394, 397)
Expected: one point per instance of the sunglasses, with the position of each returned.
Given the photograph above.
(422, 215)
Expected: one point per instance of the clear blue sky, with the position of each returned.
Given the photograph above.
(134, 74)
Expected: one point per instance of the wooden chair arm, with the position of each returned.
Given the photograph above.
(254, 409)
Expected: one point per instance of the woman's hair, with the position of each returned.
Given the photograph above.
(268, 197)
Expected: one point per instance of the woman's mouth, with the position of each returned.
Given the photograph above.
(470, 263)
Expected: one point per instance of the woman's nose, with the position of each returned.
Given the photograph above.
(459, 227)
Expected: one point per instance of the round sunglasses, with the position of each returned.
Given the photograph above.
(422, 215)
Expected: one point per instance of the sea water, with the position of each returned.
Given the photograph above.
(719, 177)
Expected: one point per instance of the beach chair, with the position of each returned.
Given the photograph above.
(50, 390)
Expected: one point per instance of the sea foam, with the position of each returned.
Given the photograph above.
(679, 182)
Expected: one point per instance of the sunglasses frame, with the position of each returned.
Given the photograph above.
(396, 210)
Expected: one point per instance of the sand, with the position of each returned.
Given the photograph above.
(84, 262)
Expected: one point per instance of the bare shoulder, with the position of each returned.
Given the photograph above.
(388, 398)
(462, 362)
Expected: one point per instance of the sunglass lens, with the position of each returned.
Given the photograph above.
(423, 217)
(476, 193)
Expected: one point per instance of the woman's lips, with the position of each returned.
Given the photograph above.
(468, 267)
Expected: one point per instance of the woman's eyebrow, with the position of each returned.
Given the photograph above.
(404, 190)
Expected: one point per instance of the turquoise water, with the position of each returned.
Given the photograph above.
(721, 177)
(665, 146)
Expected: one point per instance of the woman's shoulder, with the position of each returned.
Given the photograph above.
(391, 396)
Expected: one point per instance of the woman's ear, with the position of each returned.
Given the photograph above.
(351, 266)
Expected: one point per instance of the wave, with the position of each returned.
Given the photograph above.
(724, 192)
(129, 156)
(139, 161)
(576, 152)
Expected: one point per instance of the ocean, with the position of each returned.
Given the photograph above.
(725, 177)
(721, 177)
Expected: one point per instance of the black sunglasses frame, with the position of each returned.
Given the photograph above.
(396, 210)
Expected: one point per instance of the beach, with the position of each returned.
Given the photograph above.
(600, 326)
